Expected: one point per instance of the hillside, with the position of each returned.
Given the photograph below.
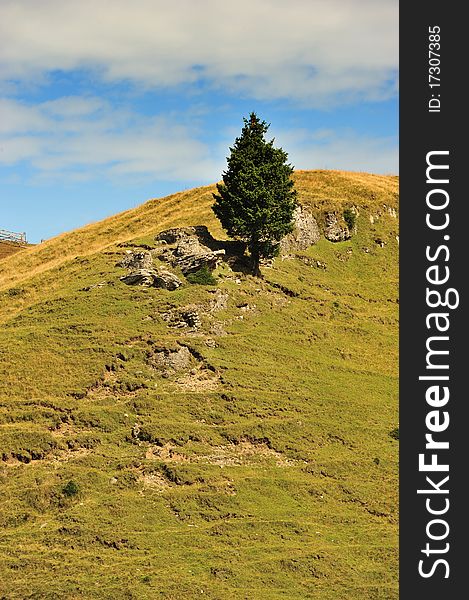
(251, 455)
(9, 248)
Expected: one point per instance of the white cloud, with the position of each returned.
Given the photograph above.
(316, 51)
(102, 141)
(73, 106)
(97, 141)
(344, 149)
(16, 118)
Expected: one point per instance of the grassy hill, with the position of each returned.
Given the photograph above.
(267, 470)
(8, 248)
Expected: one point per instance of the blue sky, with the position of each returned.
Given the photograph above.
(105, 104)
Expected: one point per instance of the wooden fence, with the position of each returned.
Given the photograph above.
(11, 236)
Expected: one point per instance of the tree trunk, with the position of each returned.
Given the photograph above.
(255, 260)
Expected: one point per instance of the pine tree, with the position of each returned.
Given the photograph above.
(256, 200)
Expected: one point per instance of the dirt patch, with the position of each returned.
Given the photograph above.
(243, 453)
(154, 481)
(246, 452)
(61, 456)
(199, 380)
(166, 453)
(186, 366)
(110, 386)
(55, 458)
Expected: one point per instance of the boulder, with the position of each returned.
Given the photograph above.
(335, 231)
(175, 234)
(142, 271)
(152, 278)
(172, 360)
(305, 231)
(143, 277)
(192, 318)
(166, 280)
(194, 262)
(190, 245)
(190, 253)
(136, 260)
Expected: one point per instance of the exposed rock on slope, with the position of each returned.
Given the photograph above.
(176, 234)
(173, 360)
(136, 260)
(336, 231)
(141, 272)
(305, 233)
(189, 252)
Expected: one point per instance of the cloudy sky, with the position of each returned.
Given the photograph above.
(106, 103)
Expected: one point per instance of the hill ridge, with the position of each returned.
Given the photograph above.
(170, 209)
(237, 438)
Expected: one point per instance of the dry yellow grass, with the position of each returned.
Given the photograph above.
(326, 190)
(278, 479)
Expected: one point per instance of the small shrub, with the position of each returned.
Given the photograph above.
(16, 292)
(394, 433)
(202, 277)
(183, 475)
(350, 218)
(70, 489)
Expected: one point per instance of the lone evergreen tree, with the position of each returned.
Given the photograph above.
(256, 200)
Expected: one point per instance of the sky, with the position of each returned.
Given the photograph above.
(107, 103)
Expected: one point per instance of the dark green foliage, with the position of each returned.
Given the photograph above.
(16, 292)
(70, 489)
(256, 200)
(350, 218)
(203, 277)
(395, 433)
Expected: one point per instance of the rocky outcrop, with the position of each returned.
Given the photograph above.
(140, 277)
(305, 232)
(185, 317)
(166, 280)
(194, 262)
(192, 318)
(136, 260)
(176, 234)
(142, 272)
(152, 278)
(189, 253)
(334, 230)
(172, 360)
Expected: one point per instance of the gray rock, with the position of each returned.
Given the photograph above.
(305, 232)
(172, 360)
(152, 278)
(219, 301)
(166, 280)
(192, 318)
(190, 253)
(190, 245)
(175, 234)
(194, 262)
(183, 317)
(335, 231)
(136, 260)
(143, 277)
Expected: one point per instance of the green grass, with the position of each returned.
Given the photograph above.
(269, 473)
